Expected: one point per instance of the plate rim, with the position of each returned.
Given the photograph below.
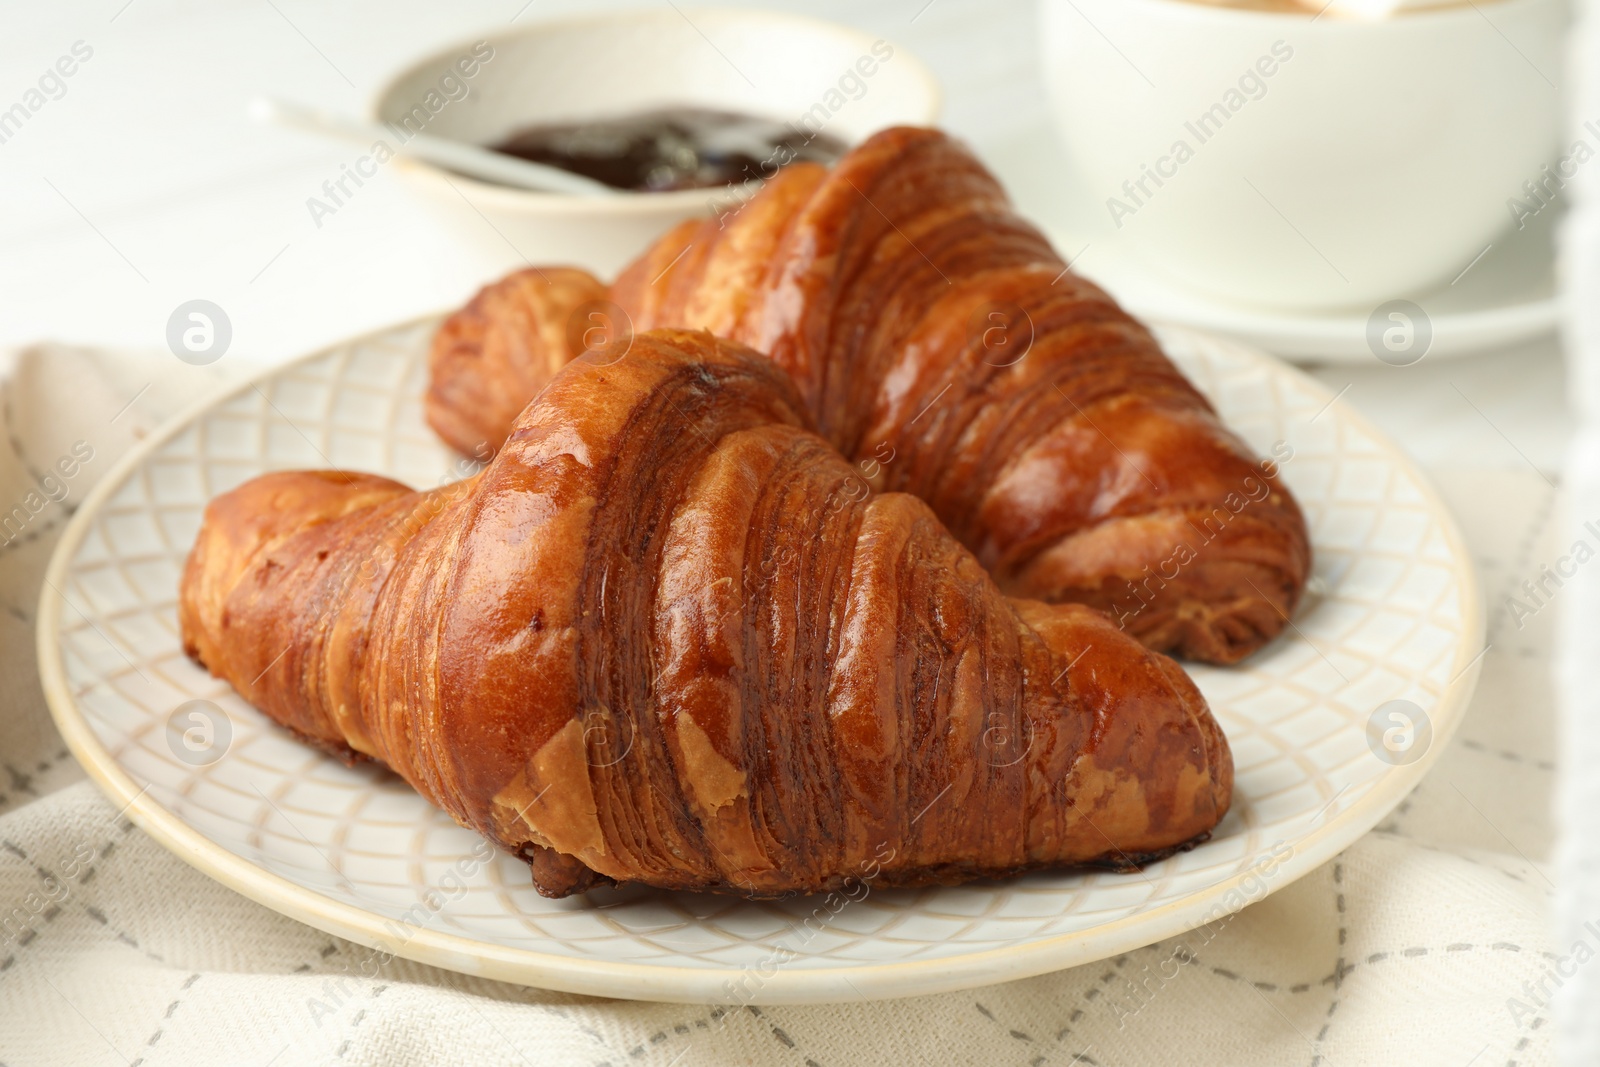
(704, 985)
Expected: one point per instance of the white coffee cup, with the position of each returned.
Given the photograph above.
(1282, 160)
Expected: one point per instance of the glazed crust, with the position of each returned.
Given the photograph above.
(669, 636)
(492, 356)
(941, 344)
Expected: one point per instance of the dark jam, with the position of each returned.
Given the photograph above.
(674, 148)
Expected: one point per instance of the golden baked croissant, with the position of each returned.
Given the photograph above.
(942, 345)
(667, 637)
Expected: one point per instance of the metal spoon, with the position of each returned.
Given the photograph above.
(459, 156)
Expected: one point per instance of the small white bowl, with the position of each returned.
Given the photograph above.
(778, 66)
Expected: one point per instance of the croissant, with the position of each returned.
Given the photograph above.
(942, 345)
(668, 636)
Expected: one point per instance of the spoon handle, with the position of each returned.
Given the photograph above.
(459, 156)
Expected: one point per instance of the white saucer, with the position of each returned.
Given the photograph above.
(1507, 296)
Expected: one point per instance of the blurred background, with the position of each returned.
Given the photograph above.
(147, 185)
(151, 150)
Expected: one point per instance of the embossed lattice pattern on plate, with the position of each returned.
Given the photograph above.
(1392, 614)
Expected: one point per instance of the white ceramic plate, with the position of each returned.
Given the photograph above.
(1395, 613)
